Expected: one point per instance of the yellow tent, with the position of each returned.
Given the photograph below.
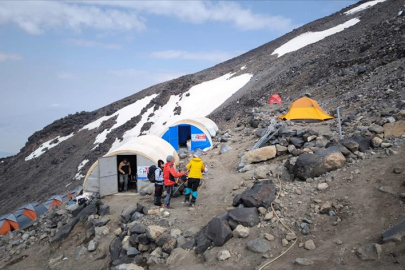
(306, 109)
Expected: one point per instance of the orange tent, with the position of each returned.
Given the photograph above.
(8, 223)
(54, 200)
(306, 109)
(275, 99)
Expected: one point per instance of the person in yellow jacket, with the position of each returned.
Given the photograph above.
(195, 169)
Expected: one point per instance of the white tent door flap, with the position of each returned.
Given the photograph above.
(108, 172)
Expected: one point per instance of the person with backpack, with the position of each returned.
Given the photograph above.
(195, 167)
(170, 174)
(159, 183)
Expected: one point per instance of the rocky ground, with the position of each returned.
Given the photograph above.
(337, 204)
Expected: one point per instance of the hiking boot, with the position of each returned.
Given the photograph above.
(167, 207)
(186, 201)
(192, 204)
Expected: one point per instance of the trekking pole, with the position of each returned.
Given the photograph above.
(178, 188)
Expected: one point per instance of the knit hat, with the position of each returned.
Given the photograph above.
(169, 158)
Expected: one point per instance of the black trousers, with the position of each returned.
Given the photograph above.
(192, 186)
(158, 194)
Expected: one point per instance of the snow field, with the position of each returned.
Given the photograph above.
(363, 6)
(47, 145)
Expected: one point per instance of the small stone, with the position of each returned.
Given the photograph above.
(303, 261)
(166, 214)
(241, 231)
(388, 189)
(338, 242)
(258, 245)
(143, 248)
(223, 255)
(298, 191)
(268, 216)
(92, 246)
(269, 237)
(397, 170)
(284, 242)
(322, 186)
(175, 233)
(309, 245)
(118, 231)
(262, 210)
(290, 236)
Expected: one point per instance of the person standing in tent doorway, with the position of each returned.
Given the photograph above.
(159, 182)
(170, 174)
(124, 169)
(196, 167)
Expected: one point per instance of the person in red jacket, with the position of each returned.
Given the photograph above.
(170, 174)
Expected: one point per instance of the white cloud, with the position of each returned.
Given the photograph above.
(9, 56)
(89, 43)
(35, 17)
(152, 77)
(66, 75)
(215, 56)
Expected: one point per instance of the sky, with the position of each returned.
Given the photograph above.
(62, 57)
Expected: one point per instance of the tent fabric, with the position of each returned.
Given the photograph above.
(151, 147)
(306, 109)
(31, 210)
(275, 99)
(198, 125)
(54, 200)
(8, 223)
(75, 192)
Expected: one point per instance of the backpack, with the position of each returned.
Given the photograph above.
(151, 173)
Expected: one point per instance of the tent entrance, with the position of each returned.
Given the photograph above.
(184, 135)
(132, 159)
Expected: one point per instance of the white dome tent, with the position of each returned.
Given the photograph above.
(199, 131)
(141, 152)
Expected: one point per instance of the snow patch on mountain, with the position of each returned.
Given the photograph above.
(311, 37)
(200, 100)
(363, 6)
(123, 115)
(48, 145)
(81, 165)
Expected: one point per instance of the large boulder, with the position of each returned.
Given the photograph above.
(137, 228)
(260, 154)
(126, 214)
(248, 217)
(322, 161)
(395, 129)
(115, 248)
(64, 231)
(262, 193)
(202, 241)
(103, 209)
(218, 231)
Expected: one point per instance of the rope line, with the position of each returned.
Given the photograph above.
(285, 226)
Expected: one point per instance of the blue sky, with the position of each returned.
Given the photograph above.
(60, 57)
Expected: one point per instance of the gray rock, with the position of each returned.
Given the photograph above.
(322, 161)
(103, 210)
(127, 266)
(179, 256)
(137, 216)
(262, 193)
(132, 252)
(189, 244)
(260, 154)
(191, 232)
(175, 233)
(281, 150)
(64, 231)
(309, 245)
(169, 246)
(369, 252)
(137, 228)
(224, 148)
(258, 245)
(303, 261)
(398, 170)
(143, 239)
(202, 242)
(376, 129)
(363, 141)
(92, 245)
(262, 172)
(127, 213)
(248, 217)
(395, 233)
(115, 248)
(82, 250)
(297, 141)
(100, 222)
(218, 231)
(210, 256)
(223, 255)
(388, 189)
(163, 239)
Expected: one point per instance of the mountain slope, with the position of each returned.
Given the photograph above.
(351, 67)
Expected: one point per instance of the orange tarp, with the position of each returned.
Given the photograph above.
(305, 109)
